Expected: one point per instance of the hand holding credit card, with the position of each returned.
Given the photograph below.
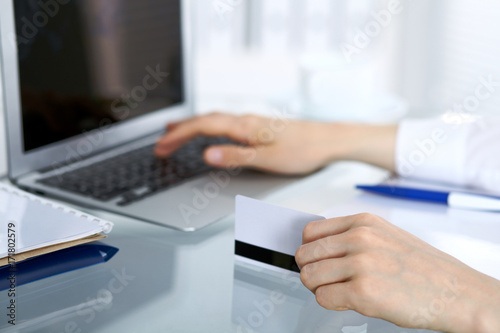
(268, 233)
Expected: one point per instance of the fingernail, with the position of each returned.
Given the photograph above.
(214, 155)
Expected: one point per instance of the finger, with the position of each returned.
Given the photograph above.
(336, 296)
(230, 156)
(325, 272)
(323, 228)
(182, 132)
(171, 126)
(210, 125)
(325, 248)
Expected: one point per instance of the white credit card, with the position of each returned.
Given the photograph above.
(269, 233)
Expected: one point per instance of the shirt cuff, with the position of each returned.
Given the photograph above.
(431, 149)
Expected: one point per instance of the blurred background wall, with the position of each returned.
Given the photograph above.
(422, 58)
(353, 60)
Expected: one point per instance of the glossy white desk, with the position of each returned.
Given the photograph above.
(162, 280)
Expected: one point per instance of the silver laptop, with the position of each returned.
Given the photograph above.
(89, 86)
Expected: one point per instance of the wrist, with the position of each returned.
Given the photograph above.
(487, 306)
(477, 307)
(364, 143)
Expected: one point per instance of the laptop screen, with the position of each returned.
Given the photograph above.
(86, 64)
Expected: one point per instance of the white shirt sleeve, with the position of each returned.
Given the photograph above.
(465, 154)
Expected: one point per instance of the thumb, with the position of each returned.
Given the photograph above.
(231, 156)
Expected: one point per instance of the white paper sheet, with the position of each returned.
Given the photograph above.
(37, 222)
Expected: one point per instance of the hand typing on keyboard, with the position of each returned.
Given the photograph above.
(282, 145)
(137, 173)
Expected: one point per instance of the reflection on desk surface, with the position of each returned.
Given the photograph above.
(166, 281)
(269, 301)
(85, 299)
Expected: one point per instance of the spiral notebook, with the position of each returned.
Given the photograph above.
(31, 226)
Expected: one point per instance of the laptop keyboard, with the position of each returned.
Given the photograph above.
(136, 174)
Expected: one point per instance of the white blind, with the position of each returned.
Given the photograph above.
(279, 26)
(470, 50)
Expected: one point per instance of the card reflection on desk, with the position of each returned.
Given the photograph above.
(271, 300)
(55, 263)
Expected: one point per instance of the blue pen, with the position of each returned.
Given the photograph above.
(452, 199)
